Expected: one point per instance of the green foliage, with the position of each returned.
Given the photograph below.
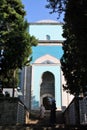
(56, 5)
(74, 59)
(15, 40)
(75, 56)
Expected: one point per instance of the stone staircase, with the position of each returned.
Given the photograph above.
(38, 127)
(34, 115)
(35, 123)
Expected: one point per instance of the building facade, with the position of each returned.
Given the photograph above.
(42, 81)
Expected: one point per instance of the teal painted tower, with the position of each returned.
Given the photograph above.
(46, 70)
(42, 80)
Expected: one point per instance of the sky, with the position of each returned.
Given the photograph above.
(36, 11)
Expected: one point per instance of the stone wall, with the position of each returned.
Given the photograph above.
(76, 112)
(12, 111)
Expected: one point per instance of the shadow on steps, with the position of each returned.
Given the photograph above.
(34, 118)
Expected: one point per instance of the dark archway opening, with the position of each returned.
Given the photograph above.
(48, 84)
(46, 103)
(47, 88)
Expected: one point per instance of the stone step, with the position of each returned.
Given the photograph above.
(59, 117)
(35, 127)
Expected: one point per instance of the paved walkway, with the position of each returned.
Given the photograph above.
(35, 123)
(34, 116)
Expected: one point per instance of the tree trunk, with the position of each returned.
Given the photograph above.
(14, 73)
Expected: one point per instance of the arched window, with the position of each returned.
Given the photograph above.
(47, 88)
(47, 37)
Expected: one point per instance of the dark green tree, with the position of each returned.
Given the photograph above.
(15, 41)
(74, 59)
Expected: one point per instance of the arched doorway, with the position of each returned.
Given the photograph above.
(46, 102)
(47, 88)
